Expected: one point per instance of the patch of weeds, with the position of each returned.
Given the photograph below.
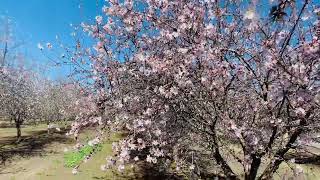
(73, 159)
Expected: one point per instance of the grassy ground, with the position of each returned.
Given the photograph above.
(41, 157)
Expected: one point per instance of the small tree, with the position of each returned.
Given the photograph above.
(17, 96)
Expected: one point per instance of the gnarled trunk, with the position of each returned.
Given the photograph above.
(256, 161)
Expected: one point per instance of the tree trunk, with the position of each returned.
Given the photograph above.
(256, 161)
(18, 127)
(48, 127)
(217, 156)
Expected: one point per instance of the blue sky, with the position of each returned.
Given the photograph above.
(41, 20)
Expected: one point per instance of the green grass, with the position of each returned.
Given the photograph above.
(73, 159)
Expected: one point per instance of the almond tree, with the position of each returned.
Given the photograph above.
(17, 96)
(56, 101)
(17, 83)
(204, 85)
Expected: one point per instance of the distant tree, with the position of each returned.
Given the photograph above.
(57, 101)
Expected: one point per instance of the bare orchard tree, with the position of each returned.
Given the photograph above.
(8, 42)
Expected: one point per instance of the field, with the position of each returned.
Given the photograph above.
(40, 156)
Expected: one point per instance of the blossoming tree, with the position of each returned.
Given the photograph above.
(17, 97)
(57, 101)
(204, 86)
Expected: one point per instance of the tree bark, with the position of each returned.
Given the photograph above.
(18, 127)
(256, 161)
(216, 154)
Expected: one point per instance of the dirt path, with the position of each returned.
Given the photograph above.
(35, 155)
(33, 167)
(26, 169)
(41, 157)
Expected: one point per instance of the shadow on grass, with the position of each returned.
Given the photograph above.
(11, 124)
(30, 145)
(7, 125)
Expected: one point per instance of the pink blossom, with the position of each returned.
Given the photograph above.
(99, 19)
(250, 14)
(74, 171)
(300, 111)
(40, 46)
(121, 168)
(49, 46)
(136, 158)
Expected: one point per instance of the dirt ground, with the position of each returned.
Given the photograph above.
(40, 156)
